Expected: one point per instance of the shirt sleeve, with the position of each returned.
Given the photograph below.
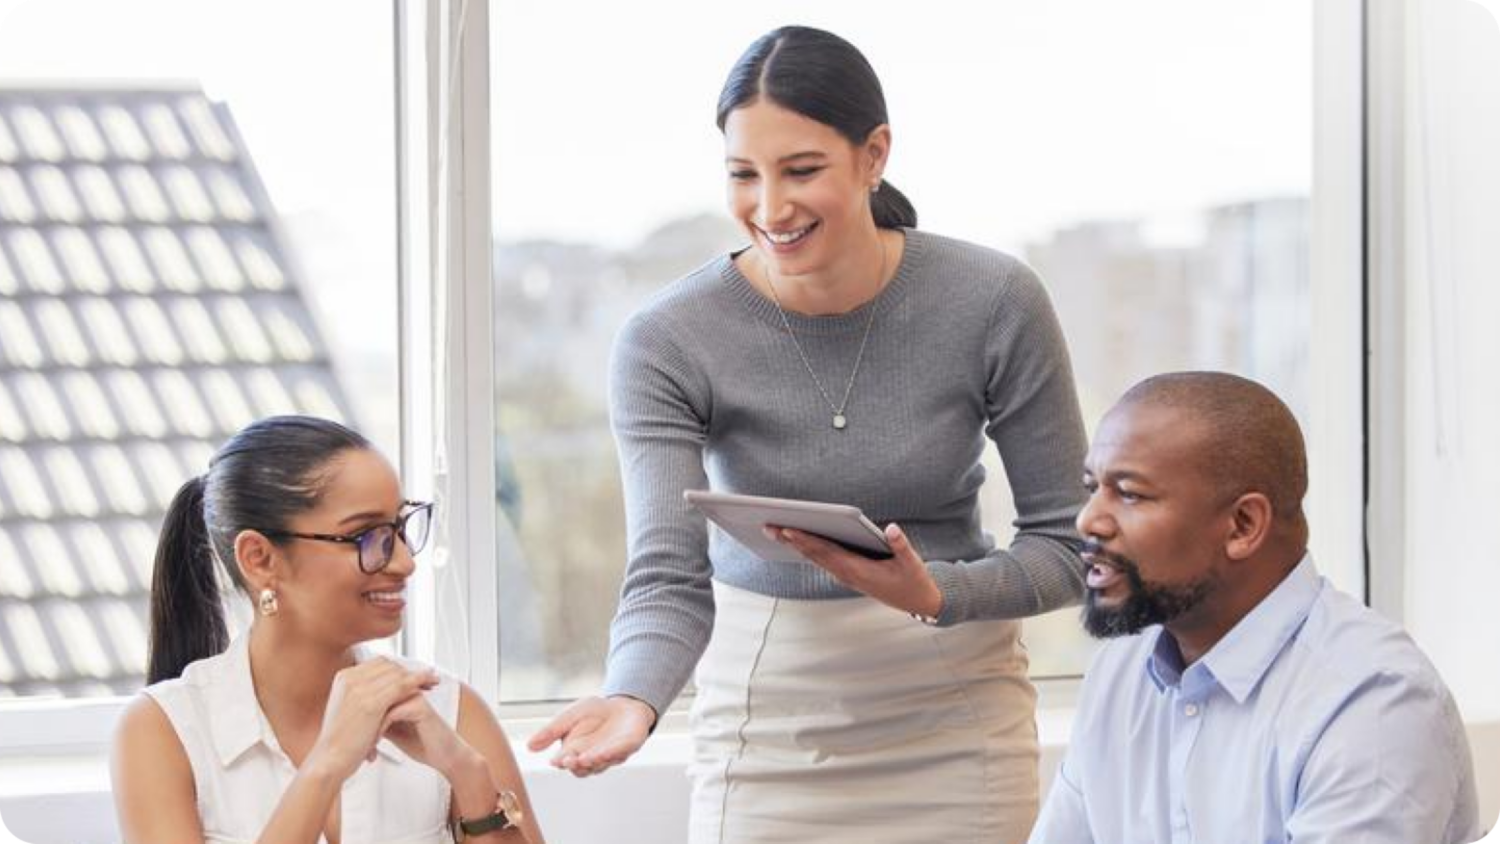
(658, 410)
(1034, 420)
(1391, 766)
(1064, 818)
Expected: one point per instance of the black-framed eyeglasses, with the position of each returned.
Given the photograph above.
(377, 543)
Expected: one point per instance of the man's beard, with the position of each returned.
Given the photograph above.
(1147, 604)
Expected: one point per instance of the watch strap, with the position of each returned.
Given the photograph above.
(488, 823)
(499, 819)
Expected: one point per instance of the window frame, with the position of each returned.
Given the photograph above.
(1384, 42)
(1338, 300)
(446, 340)
(447, 332)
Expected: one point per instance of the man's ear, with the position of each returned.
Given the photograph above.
(1251, 516)
(258, 560)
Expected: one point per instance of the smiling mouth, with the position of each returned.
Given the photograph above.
(787, 238)
(386, 599)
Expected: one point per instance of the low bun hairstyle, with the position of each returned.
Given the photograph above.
(824, 78)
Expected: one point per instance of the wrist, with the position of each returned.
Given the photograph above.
(474, 791)
(319, 768)
(645, 711)
(932, 604)
(928, 608)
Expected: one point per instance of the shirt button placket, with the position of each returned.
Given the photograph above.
(1187, 722)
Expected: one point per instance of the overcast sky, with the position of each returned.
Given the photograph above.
(1010, 118)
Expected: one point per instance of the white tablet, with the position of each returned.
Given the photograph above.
(743, 516)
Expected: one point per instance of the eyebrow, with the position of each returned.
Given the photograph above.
(1116, 475)
(362, 517)
(782, 160)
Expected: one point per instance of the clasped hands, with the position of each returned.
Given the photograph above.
(381, 698)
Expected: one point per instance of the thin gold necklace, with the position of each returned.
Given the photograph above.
(840, 421)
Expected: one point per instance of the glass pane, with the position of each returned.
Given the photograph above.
(168, 249)
(1145, 158)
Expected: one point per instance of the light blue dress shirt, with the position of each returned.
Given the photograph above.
(1314, 720)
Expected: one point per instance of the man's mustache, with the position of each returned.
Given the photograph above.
(1092, 552)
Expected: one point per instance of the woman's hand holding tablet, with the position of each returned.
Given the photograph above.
(881, 563)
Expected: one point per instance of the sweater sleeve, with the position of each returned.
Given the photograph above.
(659, 414)
(1034, 420)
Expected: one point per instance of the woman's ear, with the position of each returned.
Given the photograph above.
(258, 560)
(1251, 517)
(877, 151)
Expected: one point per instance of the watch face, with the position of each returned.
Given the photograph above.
(511, 806)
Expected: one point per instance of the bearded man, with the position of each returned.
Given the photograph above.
(1241, 697)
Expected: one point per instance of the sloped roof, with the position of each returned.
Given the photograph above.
(147, 311)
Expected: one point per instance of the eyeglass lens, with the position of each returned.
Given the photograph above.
(417, 527)
(378, 544)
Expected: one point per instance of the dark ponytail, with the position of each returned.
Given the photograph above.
(891, 208)
(187, 618)
(825, 78)
(265, 475)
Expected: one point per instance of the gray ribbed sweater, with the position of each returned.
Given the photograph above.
(707, 391)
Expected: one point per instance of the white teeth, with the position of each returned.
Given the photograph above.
(784, 238)
(384, 596)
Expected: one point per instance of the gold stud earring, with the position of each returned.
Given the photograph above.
(268, 604)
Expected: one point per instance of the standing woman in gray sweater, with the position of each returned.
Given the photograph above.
(843, 356)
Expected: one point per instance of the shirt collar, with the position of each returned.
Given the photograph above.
(1239, 660)
(1164, 661)
(236, 722)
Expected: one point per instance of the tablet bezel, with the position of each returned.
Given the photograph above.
(744, 516)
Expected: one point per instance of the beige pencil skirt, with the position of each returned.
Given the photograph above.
(848, 721)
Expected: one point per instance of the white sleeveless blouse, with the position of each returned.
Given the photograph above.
(241, 772)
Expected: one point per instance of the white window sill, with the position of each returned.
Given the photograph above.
(54, 778)
(53, 792)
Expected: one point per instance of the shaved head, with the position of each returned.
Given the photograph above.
(1243, 437)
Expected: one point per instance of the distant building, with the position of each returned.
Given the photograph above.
(1126, 307)
(147, 311)
(558, 307)
(1237, 298)
(1255, 315)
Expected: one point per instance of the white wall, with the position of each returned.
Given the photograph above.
(1451, 234)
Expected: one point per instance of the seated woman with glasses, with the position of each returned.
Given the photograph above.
(293, 732)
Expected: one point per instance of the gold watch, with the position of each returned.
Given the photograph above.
(507, 815)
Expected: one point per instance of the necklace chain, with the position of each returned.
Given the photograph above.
(839, 419)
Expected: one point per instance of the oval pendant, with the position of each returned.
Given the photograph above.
(839, 421)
